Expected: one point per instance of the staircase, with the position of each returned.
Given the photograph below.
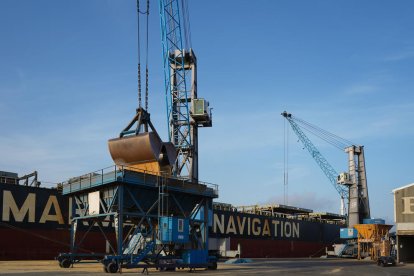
(134, 243)
(144, 252)
(347, 251)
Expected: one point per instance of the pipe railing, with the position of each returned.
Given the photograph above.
(117, 173)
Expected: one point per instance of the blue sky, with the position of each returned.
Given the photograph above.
(68, 84)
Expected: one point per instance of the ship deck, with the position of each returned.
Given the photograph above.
(283, 211)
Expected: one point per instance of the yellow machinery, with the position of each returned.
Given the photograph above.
(373, 240)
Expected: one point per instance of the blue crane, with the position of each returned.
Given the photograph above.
(185, 111)
(328, 170)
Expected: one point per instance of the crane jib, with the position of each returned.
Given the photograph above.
(351, 185)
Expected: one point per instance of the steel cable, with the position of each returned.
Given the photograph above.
(146, 61)
(146, 12)
(286, 163)
(139, 56)
(325, 135)
(186, 23)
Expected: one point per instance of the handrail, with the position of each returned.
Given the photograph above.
(90, 180)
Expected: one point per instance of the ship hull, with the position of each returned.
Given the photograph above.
(254, 248)
(260, 236)
(35, 225)
(36, 244)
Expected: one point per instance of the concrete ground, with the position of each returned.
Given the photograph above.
(256, 267)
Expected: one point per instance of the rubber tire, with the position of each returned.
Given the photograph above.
(112, 268)
(382, 264)
(213, 266)
(65, 263)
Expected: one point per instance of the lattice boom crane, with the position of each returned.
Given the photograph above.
(352, 185)
(185, 111)
(327, 169)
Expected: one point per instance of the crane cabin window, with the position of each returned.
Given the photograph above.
(180, 225)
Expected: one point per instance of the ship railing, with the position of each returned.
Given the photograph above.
(302, 217)
(133, 175)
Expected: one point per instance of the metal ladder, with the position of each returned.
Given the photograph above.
(162, 194)
(147, 249)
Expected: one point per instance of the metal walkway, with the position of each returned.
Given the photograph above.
(124, 174)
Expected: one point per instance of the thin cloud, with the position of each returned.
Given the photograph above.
(361, 89)
(231, 133)
(374, 121)
(400, 56)
(385, 121)
(65, 151)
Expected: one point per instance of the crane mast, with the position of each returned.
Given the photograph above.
(358, 190)
(351, 186)
(185, 111)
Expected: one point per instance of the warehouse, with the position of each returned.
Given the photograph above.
(404, 220)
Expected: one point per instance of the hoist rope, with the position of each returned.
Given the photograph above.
(285, 164)
(325, 135)
(146, 55)
(139, 56)
(146, 61)
(186, 23)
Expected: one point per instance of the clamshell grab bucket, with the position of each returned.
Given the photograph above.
(141, 148)
(144, 152)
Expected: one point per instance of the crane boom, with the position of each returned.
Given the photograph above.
(327, 169)
(352, 185)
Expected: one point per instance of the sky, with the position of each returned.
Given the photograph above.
(68, 83)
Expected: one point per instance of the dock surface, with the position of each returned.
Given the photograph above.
(256, 267)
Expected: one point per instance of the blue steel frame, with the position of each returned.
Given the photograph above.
(128, 200)
(177, 98)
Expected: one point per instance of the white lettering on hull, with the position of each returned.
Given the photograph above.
(231, 227)
(10, 206)
(218, 223)
(242, 225)
(28, 208)
(46, 216)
